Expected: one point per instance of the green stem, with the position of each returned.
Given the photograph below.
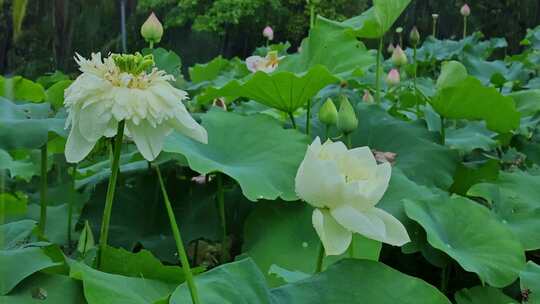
(434, 28)
(293, 122)
(464, 27)
(312, 16)
(151, 44)
(223, 219)
(308, 114)
(179, 243)
(2, 205)
(70, 204)
(443, 132)
(104, 234)
(327, 132)
(348, 139)
(415, 76)
(320, 259)
(445, 277)
(43, 191)
(378, 72)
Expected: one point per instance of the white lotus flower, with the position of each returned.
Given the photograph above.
(266, 64)
(344, 186)
(117, 88)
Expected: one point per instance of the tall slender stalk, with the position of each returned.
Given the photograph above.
(464, 27)
(104, 234)
(179, 243)
(311, 16)
(434, 32)
(151, 44)
(445, 277)
(415, 76)
(293, 122)
(222, 217)
(308, 114)
(443, 132)
(71, 203)
(378, 72)
(2, 204)
(43, 191)
(320, 259)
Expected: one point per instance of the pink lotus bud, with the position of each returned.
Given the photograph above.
(393, 77)
(398, 57)
(268, 33)
(220, 103)
(465, 10)
(391, 48)
(368, 98)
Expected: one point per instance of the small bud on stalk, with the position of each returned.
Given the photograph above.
(465, 10)
(398, 57)
(152, 30)
(393, 78)
(435, 18)
(414, 37)
(368, 98)
(268, 33)
(347, 121)
(328, 113)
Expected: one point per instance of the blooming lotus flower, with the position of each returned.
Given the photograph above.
(268, 33)
(398, 56)
(266, 64)
(393, 77)
(152, 30)
(344, 186)
(465, 10)
(119, 88)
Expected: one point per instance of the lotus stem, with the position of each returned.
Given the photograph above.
(308, 114)
(70, 204)
(222, 217)
(43, 191)
(443, 132)
(178, 240)
(293, 122)
(378, 72)
(320, 259)
(464, 27)
(104, 234)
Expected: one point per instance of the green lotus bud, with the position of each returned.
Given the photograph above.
(414, 37)
(399, 58)
(152, 30)
(328, 113)
(347, 121)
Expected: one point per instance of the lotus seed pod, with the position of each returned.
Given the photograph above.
(435, 16)
(414, 37)
(347, 121)
(328, 113)
(152, 30)
(398, 57)
(393, 77)
(268, 33)
(465, 10)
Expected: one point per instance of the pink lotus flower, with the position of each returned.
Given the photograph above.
(266, 64)
(268, 33)
(393, 77)
(465, 10)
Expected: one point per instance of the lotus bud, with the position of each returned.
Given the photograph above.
(414, 37)
(393, 77)
(399, 30)
(398, 57)
(347, 121)
(328, 113)
(465, 10)
(268, 33)
(390, 48)
(152, 30)
(220, 103)
(435, 16)
(368, 98)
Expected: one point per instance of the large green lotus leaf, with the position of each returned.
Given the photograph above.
(22, 89)
(46, 289)
(468, 233)
(348, 281)
(208, 71)
(469, 99)
(281, 90)
(469, 174)
(374, 22)
(527, 101)
(483, 295)
(486, 71)
(26, 125)
(439, 50)
(329, 45)
(529, 280)
(13, 205)
(267, 239)
(238, 282)
(415, 146)
(472, 136)
(166, 60)
(250, 149)
(24, 169)
(55, 94)
(140, 265)
(104, 288)
(359, 282)
(514, 201)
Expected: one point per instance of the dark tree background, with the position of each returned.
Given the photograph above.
(40, 36)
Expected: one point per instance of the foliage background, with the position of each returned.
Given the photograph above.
(40, 36)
